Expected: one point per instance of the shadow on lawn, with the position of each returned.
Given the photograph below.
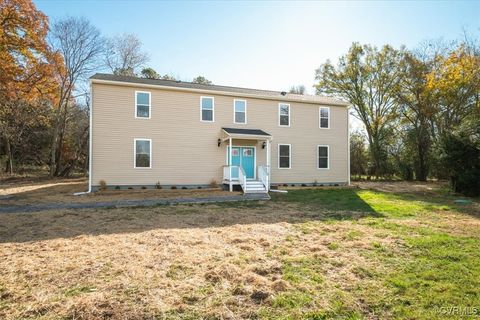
(297, 206)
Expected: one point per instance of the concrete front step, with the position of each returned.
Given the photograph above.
(255, 187)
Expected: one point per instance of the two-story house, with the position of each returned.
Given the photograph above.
(147, 132)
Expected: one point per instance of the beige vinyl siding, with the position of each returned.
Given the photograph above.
(184, 149)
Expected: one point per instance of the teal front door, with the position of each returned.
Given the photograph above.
(243, 157)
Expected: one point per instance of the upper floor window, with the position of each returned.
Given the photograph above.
(142, 104)
(240, 111)
(324, 117)
(284, 114)
(143, 153)
(207, 109)
(284, 156)
(323, 157)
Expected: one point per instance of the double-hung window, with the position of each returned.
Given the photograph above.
(324, 117)
(207, 109)
(284, 115)
(143, 153)
(284, 155)
(323, 154)
(142, 104)
(239, 111)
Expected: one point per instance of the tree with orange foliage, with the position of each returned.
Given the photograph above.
(26, 73)
(456, 85)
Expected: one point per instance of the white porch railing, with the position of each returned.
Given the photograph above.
(227, 173)
(229, 177)
(242, 178)
(264, 176)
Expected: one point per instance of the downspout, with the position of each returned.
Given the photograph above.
(230, 163)
(269, 178)
(90, 140)
(348, 143)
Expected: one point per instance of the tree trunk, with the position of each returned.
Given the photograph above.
(53, 151)
(57, 140)
(9, 151)
(71, 165)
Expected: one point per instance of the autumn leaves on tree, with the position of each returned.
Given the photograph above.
(28, 72)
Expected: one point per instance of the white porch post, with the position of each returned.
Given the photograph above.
(268, 153)
(230, 163)
(268, 164)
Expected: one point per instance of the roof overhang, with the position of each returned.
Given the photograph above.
(247, 134)
(304, 99)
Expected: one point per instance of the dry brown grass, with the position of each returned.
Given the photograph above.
(173, 260)
(229, 261)
(135, 262)
(430, 187)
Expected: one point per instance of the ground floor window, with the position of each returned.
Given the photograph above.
(284, 156)
(323, 155)
(143, 153)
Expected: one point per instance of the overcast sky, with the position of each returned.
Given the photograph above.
(267, 45)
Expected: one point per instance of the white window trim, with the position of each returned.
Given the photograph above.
(320, 117)
(289, 156)
(318, 157)
(234, 111)
(213, 109)
(149, 105)
(135, 153)
(289, 114)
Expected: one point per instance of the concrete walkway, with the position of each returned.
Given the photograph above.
(131, 203)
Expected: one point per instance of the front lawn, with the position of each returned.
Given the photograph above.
(309, 254)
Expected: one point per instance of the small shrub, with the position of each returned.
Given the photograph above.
(304, 185)
(293, 184)
(173, 187)
(103, 185)
(143, 187)
(117, 187)
(199, 187)
(460, 157)
(213, 183)
(184, 188)
(285, 185)
(158, 185)
(130, 188)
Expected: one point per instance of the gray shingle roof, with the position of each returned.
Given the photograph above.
(255, 132)
(210, 87)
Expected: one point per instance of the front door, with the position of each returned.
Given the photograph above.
(243, 157)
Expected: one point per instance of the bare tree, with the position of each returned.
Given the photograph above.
(124, 54)
(81, 47)
(297, 89)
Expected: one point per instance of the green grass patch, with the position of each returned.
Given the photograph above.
(428, 270)
(333, 203)
(306, 270)
(444, 272)
(292, 300)
(75, 291)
